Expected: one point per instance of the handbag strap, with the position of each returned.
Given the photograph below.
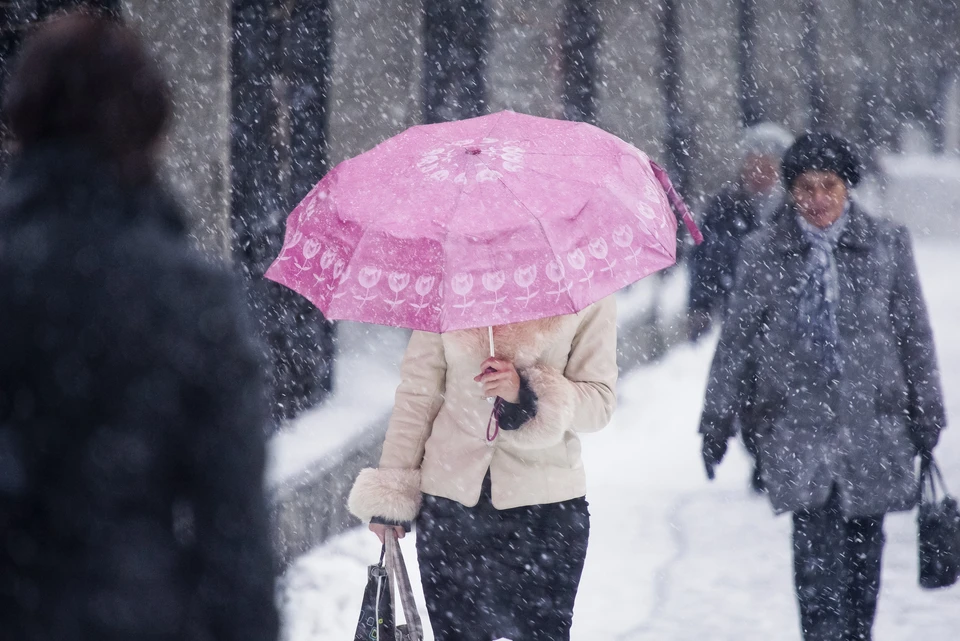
(930, 477)
(398, 574)
(382, 578)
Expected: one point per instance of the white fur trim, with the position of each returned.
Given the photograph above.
(555, 410)
(392, 494)
(521, 343)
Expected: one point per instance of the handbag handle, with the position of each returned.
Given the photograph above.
(931, 476)
(398, 574)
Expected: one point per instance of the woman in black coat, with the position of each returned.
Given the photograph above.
(131, 405)
(826, 356)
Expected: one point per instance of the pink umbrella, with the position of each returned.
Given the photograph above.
(487, 221)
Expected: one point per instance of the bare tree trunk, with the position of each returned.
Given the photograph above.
(679, 133)
(578, 50)
(810, 50)
(299, 339)
(751, 108)
(254, 199)
(306, 65)
(454, 41)
(869, 92)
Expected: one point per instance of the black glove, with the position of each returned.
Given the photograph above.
(926, 459)
(712, 450)
(924, 440)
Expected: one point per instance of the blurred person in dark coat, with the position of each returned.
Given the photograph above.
(827, 356)
(131, 403)
(738, 209)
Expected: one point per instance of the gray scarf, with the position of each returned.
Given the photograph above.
(819, 291)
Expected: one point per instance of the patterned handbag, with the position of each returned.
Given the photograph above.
(938, 521)
(376, 612)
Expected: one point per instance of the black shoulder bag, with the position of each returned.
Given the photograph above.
(938, 531)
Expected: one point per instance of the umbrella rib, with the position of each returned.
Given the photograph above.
(426, 129)
(495, 124)
(639, 219)
(543, 232)
(561, 178)
(554, 154)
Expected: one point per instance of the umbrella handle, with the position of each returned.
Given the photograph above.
(490, 334)
(679, 207)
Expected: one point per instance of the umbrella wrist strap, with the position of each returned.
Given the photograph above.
(494, 420)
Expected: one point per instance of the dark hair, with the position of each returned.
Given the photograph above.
(88, 79)
(821, 151)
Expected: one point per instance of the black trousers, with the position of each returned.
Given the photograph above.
(836, 572)
(491, 573)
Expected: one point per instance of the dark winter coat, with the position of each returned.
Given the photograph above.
(726, 222)
(131, 418)
(861, 433)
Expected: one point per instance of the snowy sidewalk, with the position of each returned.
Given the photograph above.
(673, 557)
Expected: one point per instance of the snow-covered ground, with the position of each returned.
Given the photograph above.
(673, 557)
(367, 373)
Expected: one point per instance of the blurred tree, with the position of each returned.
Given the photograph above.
(278, 151)
(813, 72)
(679, 134)
(255, 196)
(751, 108)
(581, 33)
(869, 93)
(454, 40)
(306, 65)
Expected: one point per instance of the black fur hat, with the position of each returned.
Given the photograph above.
(821, 152)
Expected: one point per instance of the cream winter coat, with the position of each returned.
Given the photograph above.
(436, 440)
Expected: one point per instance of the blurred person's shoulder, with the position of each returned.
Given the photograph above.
(883, 227)
(728, 196)
(765, 242)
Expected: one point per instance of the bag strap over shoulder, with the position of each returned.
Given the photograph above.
(399, 577)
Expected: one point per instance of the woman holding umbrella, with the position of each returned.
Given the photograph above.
(500, 240)
(502, 528)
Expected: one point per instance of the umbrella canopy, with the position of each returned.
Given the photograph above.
(487, 221)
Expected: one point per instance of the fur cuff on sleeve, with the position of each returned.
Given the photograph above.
(392, 494)
(555, 410)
